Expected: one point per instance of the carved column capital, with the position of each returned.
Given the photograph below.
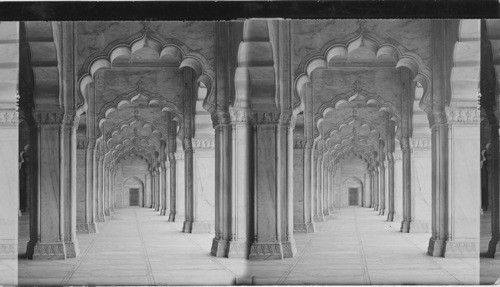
(50, 117)
(299, 144)
(267, 118)
(239, 115)
(179, 155)
(405, 144)
(187, 143)
(220, 118)
(82, 144)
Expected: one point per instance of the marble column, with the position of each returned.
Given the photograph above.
(390, 183)
(456, 171)
(319, 217)
(232, 185)
(100, 190)
(314, 194)
(179, 186)
(163, 188)
(326, 189)
(172, 176)
(147, 190)
(157, 174)
(332, 190)
(112, 200)
(398, 185)
(55, 236)
(82, 213)
(421, 168)
(494, 190)
(406, 156)
(106, 191)
(376, 187)
(273, 187)
(381, 208)
(189, 192)
(302, 197)
(368, 189)
(90, 190)
(204, 184)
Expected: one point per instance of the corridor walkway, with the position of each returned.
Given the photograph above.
(354, 246)
(490, 267)
(357, 246)
(136, 247)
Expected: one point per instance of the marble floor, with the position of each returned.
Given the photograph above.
(136, 247)
(354, 246)
(490, 267)
(357, 246)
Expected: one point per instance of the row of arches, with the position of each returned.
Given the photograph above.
(361, 99)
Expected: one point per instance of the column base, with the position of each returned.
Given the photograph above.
(461, 248)
(107, 213)
(493, 248)
(72, 249)
(272, 250)
(326, 212)
(187, 226)
(162, 212)
(230, 249)
(319, 217)
(49, 251)
(390, 216)
(203, 226)
(157, 208)
(171, 217)
(304, 227)
(420, 226)
(82, 228)
(100, 218)
(381, 211)
(436, 247)
(405, 226)
(8, 249)
(375, 207)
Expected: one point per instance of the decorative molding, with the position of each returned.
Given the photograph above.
(179, 155)
(9, 118)
(299, 144)
(398, 155)
(203, 143)
(83, 144)
(8, 251)
(50, 117)
(462, 115)
(271, 250)
(420, 143)
(461, 249)
(49, 250)
(303, 227)
(239, 115)
(266, 118)
(220, 119)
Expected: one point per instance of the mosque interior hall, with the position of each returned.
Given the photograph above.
(250, 152)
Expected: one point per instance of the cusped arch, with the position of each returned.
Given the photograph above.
(374, 49)
(164, 49)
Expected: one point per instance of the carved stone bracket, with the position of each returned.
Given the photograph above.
(220, 118)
